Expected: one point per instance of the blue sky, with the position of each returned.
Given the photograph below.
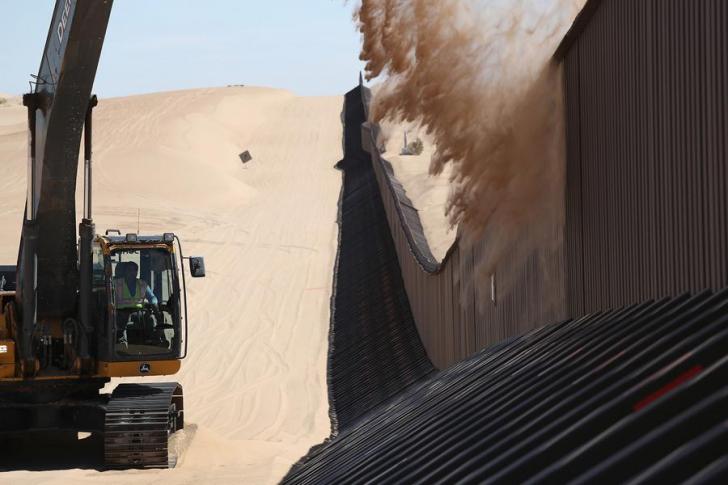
(308, 46)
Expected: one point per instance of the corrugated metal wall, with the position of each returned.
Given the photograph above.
(647, 184)
(453, 310)
(647, 206)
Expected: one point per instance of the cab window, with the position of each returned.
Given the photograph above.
(145, 305)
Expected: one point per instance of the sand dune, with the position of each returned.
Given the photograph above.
(255, 381)
(7, 100)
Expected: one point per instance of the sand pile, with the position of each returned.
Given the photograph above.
(254, 380)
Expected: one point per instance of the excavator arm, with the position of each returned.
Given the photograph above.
(48, 273)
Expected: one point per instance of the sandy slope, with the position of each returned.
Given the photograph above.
(428, 193)
(255, 377)
(9, 100)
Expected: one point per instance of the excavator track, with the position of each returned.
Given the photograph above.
(140, 420)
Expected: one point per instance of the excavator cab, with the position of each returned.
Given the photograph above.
(146, 308)
(139, 292)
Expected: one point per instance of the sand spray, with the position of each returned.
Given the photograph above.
(479, 76)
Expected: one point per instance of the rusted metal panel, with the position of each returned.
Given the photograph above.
(646, 184)
(580, 23)
(374, 349)
(573, 230)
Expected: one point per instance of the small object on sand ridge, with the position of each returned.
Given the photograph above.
(245, 157)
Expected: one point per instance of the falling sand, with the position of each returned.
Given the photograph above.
(479, 76)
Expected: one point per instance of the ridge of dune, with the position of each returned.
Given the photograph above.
(10, 100)
(255, 376)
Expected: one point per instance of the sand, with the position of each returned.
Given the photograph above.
(428, 193)
(255, 377)
(7, 100)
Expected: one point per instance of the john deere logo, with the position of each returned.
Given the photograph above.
(145, 368)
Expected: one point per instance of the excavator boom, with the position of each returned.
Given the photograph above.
(60, 98)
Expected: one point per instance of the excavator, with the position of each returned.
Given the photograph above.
(80, 308)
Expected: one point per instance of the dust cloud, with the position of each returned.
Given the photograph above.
(479, 75)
